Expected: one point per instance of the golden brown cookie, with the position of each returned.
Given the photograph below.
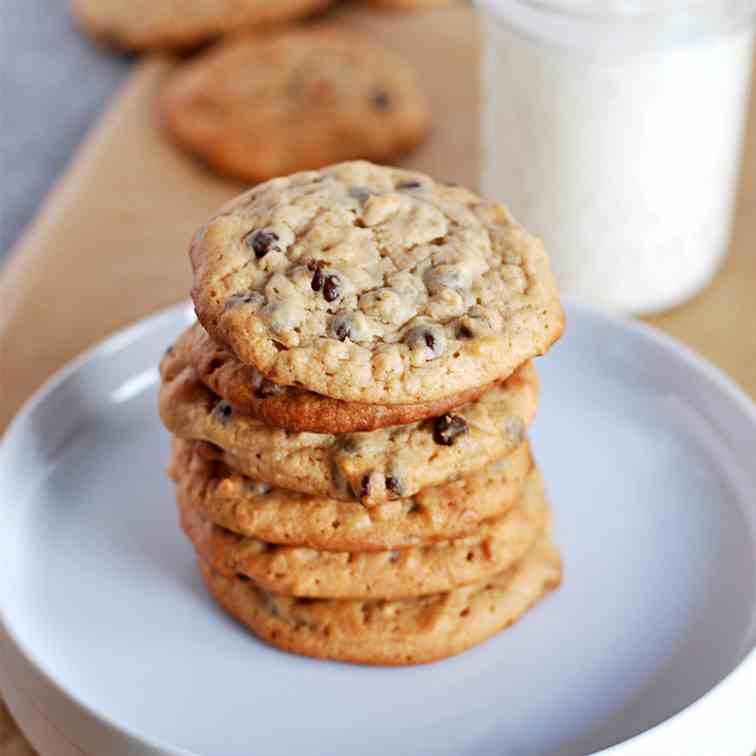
(252, 508)
(412, 4)
(415, 571)
(285, 406)
(385, 464)
(399, 632)
(170, 24)
(260, 106)
(374, 284)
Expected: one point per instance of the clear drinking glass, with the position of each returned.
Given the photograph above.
(613, 130)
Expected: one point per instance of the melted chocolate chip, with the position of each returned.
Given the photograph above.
(317, 277)
(381, 100)
(261, 242)
(430, 342)
(464, 332)
(447, 428)
(223, 410)
(408, 185)
(394, 486)
(242, 577)
(331, 288)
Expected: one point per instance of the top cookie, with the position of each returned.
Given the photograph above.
(374, 284)
(146, 24)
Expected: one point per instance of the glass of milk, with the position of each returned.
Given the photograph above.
(613, 130)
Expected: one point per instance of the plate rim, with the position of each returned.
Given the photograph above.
(129, 334)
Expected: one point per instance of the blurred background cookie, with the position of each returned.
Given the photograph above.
(259, 106)
(412, 4)
(160, 24)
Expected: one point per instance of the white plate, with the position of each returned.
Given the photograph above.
(112, 646)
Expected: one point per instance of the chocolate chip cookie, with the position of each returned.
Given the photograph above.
(255, 107)
(288, 407)
(166, 24)
(398, 632)
(252, 508)
(414, 571)
(390, 463)
(374, 284)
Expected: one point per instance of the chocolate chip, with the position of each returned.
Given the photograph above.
(317, 277)
(242, 577)
(381, 100)
(394, 486)
(364, 491)
(464, 332)
(244, 297)
(223, 410)
(261, 241)
(429, 338)
(341, 327)
(258, 487)
(447, 428)
(331, 288)
(408, 185)
(360, 193)
(169, 350)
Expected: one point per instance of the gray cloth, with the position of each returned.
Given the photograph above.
(53, 83)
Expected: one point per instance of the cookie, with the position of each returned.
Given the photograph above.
(399, 632)
(411, 4)
(374, 284)
(288, 407)
(255, 107)
(415, 571)
(251, 508)
(168, 24)
(390, 463)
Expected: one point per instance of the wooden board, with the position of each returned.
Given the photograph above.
(109, 246)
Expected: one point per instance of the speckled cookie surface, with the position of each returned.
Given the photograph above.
(147, 24)
(390, 463)
(251, 508)
(399, 632)
(261, 106)
(373, 284)
(415, 571)
(287, 407)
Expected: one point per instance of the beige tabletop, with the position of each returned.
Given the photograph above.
(109, 245)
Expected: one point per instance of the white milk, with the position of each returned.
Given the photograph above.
(617, 140)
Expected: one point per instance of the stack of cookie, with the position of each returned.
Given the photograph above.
(350, 414)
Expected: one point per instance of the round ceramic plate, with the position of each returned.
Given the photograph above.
(111, 644)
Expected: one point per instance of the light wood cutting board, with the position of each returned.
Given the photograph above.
(109, 246)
